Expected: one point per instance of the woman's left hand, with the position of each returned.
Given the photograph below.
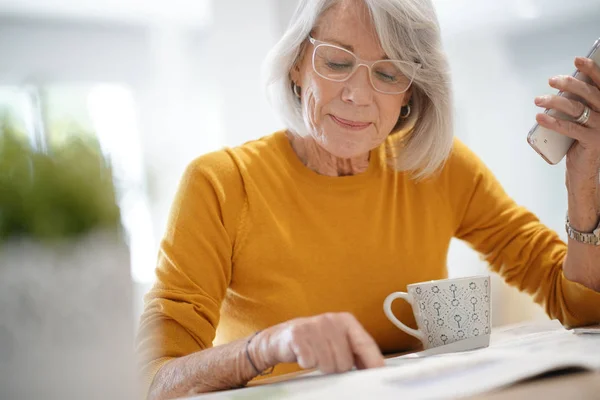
(583, 165)
(583, 159)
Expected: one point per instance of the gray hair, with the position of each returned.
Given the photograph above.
(407, 30)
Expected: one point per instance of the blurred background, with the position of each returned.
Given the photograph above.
(163, 82)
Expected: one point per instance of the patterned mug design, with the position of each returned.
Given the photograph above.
(447, 311)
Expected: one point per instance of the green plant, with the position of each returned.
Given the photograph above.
(63, 192)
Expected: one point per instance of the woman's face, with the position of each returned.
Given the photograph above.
(348, 118)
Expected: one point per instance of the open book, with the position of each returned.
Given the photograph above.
(516, 353)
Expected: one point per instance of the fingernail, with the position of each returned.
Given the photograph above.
(554, 79)
(580, 61)
(541, 99)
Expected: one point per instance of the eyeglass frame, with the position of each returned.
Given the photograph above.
(360, 62)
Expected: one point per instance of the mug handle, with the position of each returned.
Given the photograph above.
(387, 309)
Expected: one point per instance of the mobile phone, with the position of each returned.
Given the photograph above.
(551, 145)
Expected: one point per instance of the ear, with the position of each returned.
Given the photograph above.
(407, 96)
(295, 73)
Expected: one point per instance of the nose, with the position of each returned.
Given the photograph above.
(358, 89)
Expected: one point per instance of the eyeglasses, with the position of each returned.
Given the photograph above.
(338, 64)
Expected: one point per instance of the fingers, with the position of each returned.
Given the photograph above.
(332, 342)
(567, 128)
(590, 93)
(322, 347)
(312, 345)
(364, 348)
(589, 68)
(569, 107)
(338, 341)
(304, 352)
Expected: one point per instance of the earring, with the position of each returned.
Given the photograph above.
(405, 112)
(296, 89)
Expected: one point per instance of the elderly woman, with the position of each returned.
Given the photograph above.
(280, 252)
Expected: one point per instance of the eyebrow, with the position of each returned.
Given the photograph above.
(348, 47)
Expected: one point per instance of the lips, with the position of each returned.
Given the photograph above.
(349, 123)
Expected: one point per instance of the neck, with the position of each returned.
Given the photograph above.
(322, 162)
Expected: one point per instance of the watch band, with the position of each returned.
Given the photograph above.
(592, 238)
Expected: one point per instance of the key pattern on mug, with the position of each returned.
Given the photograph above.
(452, 313)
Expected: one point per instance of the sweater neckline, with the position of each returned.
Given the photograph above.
(330, 181)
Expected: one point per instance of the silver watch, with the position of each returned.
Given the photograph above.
(586, 238)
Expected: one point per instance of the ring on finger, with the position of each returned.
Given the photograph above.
(584, 117)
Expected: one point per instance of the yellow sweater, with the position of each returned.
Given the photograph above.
(255, 238)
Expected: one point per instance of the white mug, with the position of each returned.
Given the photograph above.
(447, 311)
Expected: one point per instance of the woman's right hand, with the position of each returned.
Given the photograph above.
(332, 342)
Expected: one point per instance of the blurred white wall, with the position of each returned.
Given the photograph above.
(497, 71)
(194, 69)
(146, 12)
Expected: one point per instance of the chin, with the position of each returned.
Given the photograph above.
(344, 144)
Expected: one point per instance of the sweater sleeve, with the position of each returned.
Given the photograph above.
(181, 311)
(526, 253)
